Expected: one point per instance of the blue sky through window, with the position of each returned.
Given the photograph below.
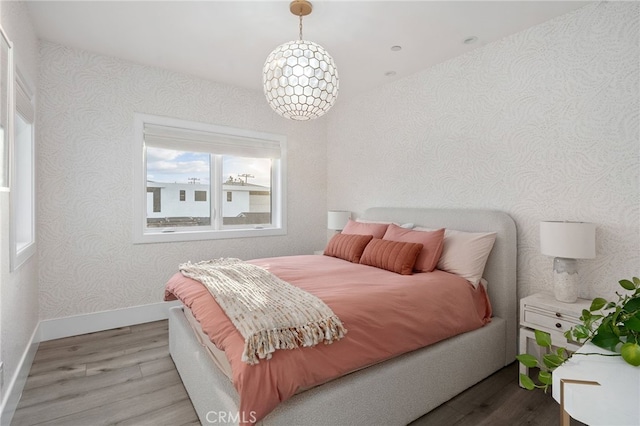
(171, 166)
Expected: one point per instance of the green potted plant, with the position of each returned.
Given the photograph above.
(614, 326)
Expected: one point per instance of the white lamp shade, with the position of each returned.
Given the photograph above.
(337, 219)
(572, 240)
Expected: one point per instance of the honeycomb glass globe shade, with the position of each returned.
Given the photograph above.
(300, 80)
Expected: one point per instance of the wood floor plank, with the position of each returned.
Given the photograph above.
(467, 401)
(64, 388)
(157, 366)
(75, 403)
(443, 415)
(164, 325)
(102, 353)
(74, 340)
(179, 413)
(101, 344)
(63, 372)
(128, 359)
(123, 409)
(503, 408)
(149, 343)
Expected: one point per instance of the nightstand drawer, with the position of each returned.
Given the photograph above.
(548, 321)
(543, 312)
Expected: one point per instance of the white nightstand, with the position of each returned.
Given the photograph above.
(543, 312)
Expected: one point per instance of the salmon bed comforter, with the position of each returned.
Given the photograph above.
(385, 314)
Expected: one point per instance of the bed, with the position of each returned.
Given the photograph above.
(395, 391)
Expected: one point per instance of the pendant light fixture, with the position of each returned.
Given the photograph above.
(300, 78)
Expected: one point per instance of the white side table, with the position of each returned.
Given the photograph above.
(543, 312)
(615, 401)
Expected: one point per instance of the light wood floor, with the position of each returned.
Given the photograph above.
(121, 376)
(496, 401)
(126, 376)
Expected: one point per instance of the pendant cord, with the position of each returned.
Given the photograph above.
(300, 25)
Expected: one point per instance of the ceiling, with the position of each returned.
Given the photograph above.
(228, 41)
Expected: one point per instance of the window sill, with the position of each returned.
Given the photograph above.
(176, 236)
(22, 254)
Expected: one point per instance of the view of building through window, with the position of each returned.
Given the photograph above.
(180, 192)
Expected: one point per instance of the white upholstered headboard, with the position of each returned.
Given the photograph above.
(500, 270)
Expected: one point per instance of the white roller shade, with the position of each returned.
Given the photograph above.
(166, 137)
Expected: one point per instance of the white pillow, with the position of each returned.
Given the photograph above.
(465, 253)
(404, 225)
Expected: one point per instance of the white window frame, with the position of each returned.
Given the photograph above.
(142, 234)
(24, 107)
(7, 100)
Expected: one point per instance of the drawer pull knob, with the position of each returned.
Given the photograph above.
(558, 325)
(558, 314)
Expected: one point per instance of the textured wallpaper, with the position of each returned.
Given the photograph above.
(87, 260)
(18, 289)
(543, 124)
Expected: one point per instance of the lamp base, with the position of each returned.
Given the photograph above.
(565, 279)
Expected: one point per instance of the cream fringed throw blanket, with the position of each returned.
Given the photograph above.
(269, 312)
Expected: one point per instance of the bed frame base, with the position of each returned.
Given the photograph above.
(395, 392)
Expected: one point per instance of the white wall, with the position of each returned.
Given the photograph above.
(18, 290)
(87, 260)
(542, 124)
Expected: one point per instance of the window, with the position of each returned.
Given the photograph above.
(22, 196)
(185, 170)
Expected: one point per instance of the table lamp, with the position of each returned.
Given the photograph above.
(337, 219)
(567, 241)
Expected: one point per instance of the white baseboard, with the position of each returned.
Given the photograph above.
(73, 326)
(13, 391)
(106, 320)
